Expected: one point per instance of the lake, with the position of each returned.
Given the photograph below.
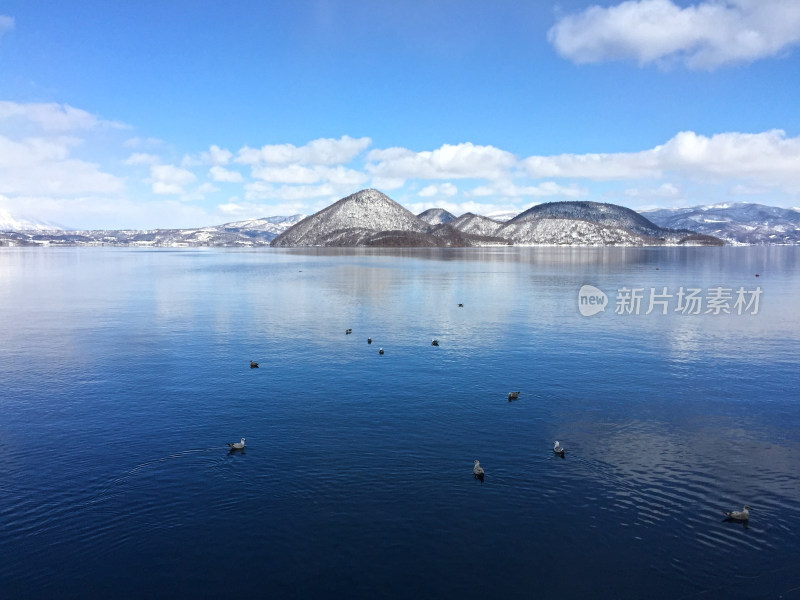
(124, 373)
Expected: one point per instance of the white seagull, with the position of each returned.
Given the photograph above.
(738, 515)
(237, 445)
(477, 470)
(558, 449)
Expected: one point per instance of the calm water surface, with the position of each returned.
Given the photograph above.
(123, 373)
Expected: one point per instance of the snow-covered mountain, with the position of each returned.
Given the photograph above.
(502, 216)
(352, 221)
(10, 223)
(436, 216)
(740, 223)
(607, 215)
(254, 232)
(476, 225)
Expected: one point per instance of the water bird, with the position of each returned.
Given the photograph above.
(558, 449)
(380, 350)
(348, 331)
(253, 364)
(513, 396)
(434, 342)
(369, 340)
(477, 470)
(236, 445)
(461, 305)
(738, 515)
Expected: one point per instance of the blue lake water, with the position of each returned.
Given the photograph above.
(124, 372)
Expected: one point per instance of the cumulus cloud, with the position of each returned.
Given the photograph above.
(598, 167)
(169, 179)
(510, 190)
(461, 161)
(323, 151)
(444, 189)
(39, 166)
(54, 117)
(769, 157)
(705, 35)
(665, 190)
(222, 174)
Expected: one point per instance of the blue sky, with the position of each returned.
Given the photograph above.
(190, 113)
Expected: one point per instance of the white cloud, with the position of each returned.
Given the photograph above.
(142, 158)
(215, 156)
(705, 35)
(769, 157)
(509, 190)
(665, 190)
(459, 161)
(168, 179)
(287, 174)
(219, 156)
(39, 166)
(599, 167)
(222, 174)
(54, 117)
(445, 189)
(323, 151)
(6, 24)
(137, 142)
(260, 190)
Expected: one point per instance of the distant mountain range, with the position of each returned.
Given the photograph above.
(370, 218)
(251, 233)
(739, 223)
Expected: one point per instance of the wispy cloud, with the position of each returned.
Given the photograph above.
(6, 24)
(323, 151)
(705, 35)
(54, 117)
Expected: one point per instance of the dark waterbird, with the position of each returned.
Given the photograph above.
(253, 364)
(513, 396)
(434, 342)
(380, 351)
(348, 331)
(369, 340)
(461, 305)
(477, 471)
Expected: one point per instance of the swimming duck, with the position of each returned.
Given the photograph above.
(738, 515)
(434, 342)
(253, 364)
(513, 395)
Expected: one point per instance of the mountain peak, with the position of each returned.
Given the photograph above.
(350, 220)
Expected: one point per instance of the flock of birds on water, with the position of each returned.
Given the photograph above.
(741, 516)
